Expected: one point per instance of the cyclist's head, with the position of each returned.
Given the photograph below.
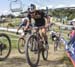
(31, 8)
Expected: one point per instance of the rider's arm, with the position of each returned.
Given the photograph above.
(19, 27)
(27, 25)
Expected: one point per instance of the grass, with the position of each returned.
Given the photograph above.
(13, 37)
(66, 61)
(14, 22)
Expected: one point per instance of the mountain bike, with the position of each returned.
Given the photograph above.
(33, 47)
(22, 41)
(5, 46)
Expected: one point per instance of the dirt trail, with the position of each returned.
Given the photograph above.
(18, 60)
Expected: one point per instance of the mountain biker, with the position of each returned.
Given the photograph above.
(25, 26)
(54, 35)
(72, 40)
(40, 21)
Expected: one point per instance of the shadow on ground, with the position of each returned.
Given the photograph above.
(50, 62)
(21, 62)
(13, 61)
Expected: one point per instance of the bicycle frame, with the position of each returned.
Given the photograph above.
(37, 34)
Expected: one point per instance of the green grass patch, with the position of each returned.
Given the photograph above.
(13, 37)
(66, 61)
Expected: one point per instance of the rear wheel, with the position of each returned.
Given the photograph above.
(21, 43)
(5, 46)
(32, 51)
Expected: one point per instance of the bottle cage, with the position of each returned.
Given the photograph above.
(16, 5)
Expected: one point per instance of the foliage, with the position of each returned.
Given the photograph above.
(62, 12)
(11, 15)
(10, 25)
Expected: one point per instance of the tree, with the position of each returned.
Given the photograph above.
(11, 15)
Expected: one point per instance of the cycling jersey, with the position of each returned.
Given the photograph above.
(39, 18)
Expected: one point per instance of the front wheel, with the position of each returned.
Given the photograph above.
(21, 43)
(45, 54)
(32, 51)
(5, 46)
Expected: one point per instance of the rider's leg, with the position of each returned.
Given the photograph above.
(44, 35)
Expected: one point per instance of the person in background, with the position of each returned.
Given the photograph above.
(25, 26)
